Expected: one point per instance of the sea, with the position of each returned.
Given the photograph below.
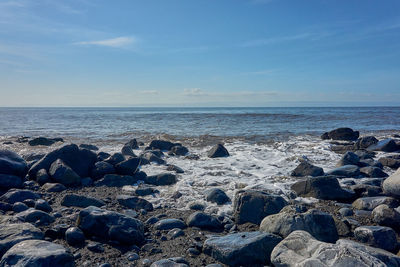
(265, 143)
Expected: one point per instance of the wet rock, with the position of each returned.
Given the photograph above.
(179, 151)
(127, 151)
(377, 236)
(196, 206)
(54, 187)
(366, 190)
(73, 200)
(345, 134)
(387, 145)
(346, 212)
(95, 247)
(42, 204)
(102, 168)
(319, 224)
(11, 234)
(307, 169)
(322, 187)
(167, 263)
(386, 216)
(74, 236)
(175, 168)
(12, 164)
(114, 180)
(5, 206)
(245, 248)
(111, 225)
(175, 233)
(42, 177)
(217, 196)
(352, 171)
(35, 216)
(161, 179)
(218, 151)
(37, 253)
(128, 167)
(373, 172)
(19, 207)
(391, 185)
(57, 231)
(349, 158)
(18, 195)
(253, 206)
(144, 190)
(63, 174)
(41, 141)
(151, 156)
(115, 158)
(161, 144)
(132, 144)
(204, 221)
(365, 142)
(134, 202)
(392, 162)
(89, 147)
(8, 181)
(370, 203)
(169, 224)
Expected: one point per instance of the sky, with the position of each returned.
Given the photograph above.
(199, 53)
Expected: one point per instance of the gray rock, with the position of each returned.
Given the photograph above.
(100, 169)
(175, 233)
(179, 150)
(392, 162)
(352, 171)
(252, 206)
(349, 158)
(377, 236)
(127, 151)
(373, 172)
(204, 221)
(89, 147)
(114, 180)
(387, 145)
(216, 195)
(366, 190)
(95, 247)
(134, 202)
(197, 206)
(144, 190)
(218, 151)
(73, 200)
(152, 156)
(391, 185)
(370, 203)
(11, 163)
(37, 253)
(42, 177)
(19, 206)
(346, 212)
(319, 224)
(74, 236)
(161, 179)
(54, 187)
(128, 167)
(41, 141)
(322, 187)
(8, 181)
(307, 169)
(386, 216)
(365, 142)
(18, 195)
(63, 174)
(133, 143)
(35, 216)
(42, 204)
(161, 144)
(167, 263)
(345, 134)
(13, 233)
(111, 225)
(175, 168)
(115, 158)
(242, 249)
(169, 224)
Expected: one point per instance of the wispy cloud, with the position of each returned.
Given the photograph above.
(193, 92)
(119, 42)
(197, 92)
(149, 92)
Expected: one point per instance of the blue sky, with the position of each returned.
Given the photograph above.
(199, 53)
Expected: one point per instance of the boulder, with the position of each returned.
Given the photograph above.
(128, 167)
(79, 160)
(349, 158)
(366, 190)
(8, 181)
(135, 203)
(365, 142)
(387, 145)
(179, 150)
(377, 236)
(373, 172)
(252, 206)
(319, 224)
(242, 249)
(169, 224)
(115, 158)
(392, 162)
(217, 196)
(11, 163)
(351, 171)
(73, 200)
(114, 180)
(18, 195)
(322, 187)
(345, 134)
(13, 233)
(391, 185)
(54, 187)
(161, 179)
(37, 253)
(218, 151)
(43, 205)
(151, 156)
(386, 216)
(100, 169)
(204, 221)
(35, 216)
(111, 225)
(63, 174)
(41, 141)
(74, 236)
(127, 151)
(307, 169)
(42, 177)
(370, 203)
(161, 144)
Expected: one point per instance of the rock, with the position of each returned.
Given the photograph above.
(377, 236)
(346, 171)
(307, 169)
(175, 233)
(111, 225)
(135, 203)
(57, 231)
(41, 141)
(203, 221)
(19, 207)
(144, 190)
(345, 134)
(387, 145)
(349, 158)
(242, 249)
(373, 172)
(81, 161)
(386, 216)
(365, 142)
(42, 205)
(322, 187)
(252, 206)
(8, 181)
(42, 177)
(391, 185)
(127, 151)
(73, 200)
(12, 164)
(115, 158)
(132, 144)
(366, 190)
(13, 233)
(74, 236)
(96, 247)
(37, 253)
(128, 167)
(392, 162)
(167, 263)
(218, 151)
(346, 212)
(100, 169)
(54, 187)
(319, 224)
(175, 168)
(63, 174)
(216, 195)
(370, 203)
(18, 195)
(150, 156)
(196, 206)
(35, 216)
(161, 179)
(101, 156)
(89, 147)
(114, 180)
(301, 249)
(179, 151)
(161, 144)
(168, 224)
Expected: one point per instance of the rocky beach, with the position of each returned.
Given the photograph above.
(329, 201)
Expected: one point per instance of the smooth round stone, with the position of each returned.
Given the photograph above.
(42, 204)
(346, 212)
(74, 236)
(175, 233)
(19, 207)
(133, 257)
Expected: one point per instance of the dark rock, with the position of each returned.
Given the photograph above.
(345, 134)
(128, 167)
(57, 231)
(377, 236)
(175, 233)
(175, 168)
(386, 216)
(150, 156)
(346, 212)
(74, 236)
(41, 141)
(365, 142)
(96, 247)
(216, 195)
(387, 145)
(392, 162)
(18, 195)
(252, 206)
(5, 206)
(144, 190)
(35, 216)
(114, 180)
(161, 144)
(133, 144)
(363, 154)
(19, 207)
(127, 151)
(8, 181)
(135, 203)
(373, 172)
(42, 177)
(37, 253)
(42, 204)
(11, 163)
(111, 225)
(218, 151)
(54, 187)
(87, 181)
(102, 156)
(203, 221)
(33, 156)
(179, 151)
(349, 158)
(346, 171)
(63, 174)
(167, 263)
(168, 224)
(89, 147)
(307, 169)
(100, 169)
(73, 200)
(366, 190)
(196, 206)
(242, 249)
(115, 158)
(370, 203)
(391, 185)
(161, 179)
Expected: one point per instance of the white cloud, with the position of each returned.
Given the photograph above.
(149, 92)
(193, 92)
(118, 42)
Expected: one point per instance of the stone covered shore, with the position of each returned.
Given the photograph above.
(78, 206)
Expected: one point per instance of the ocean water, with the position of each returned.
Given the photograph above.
(265, 143)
